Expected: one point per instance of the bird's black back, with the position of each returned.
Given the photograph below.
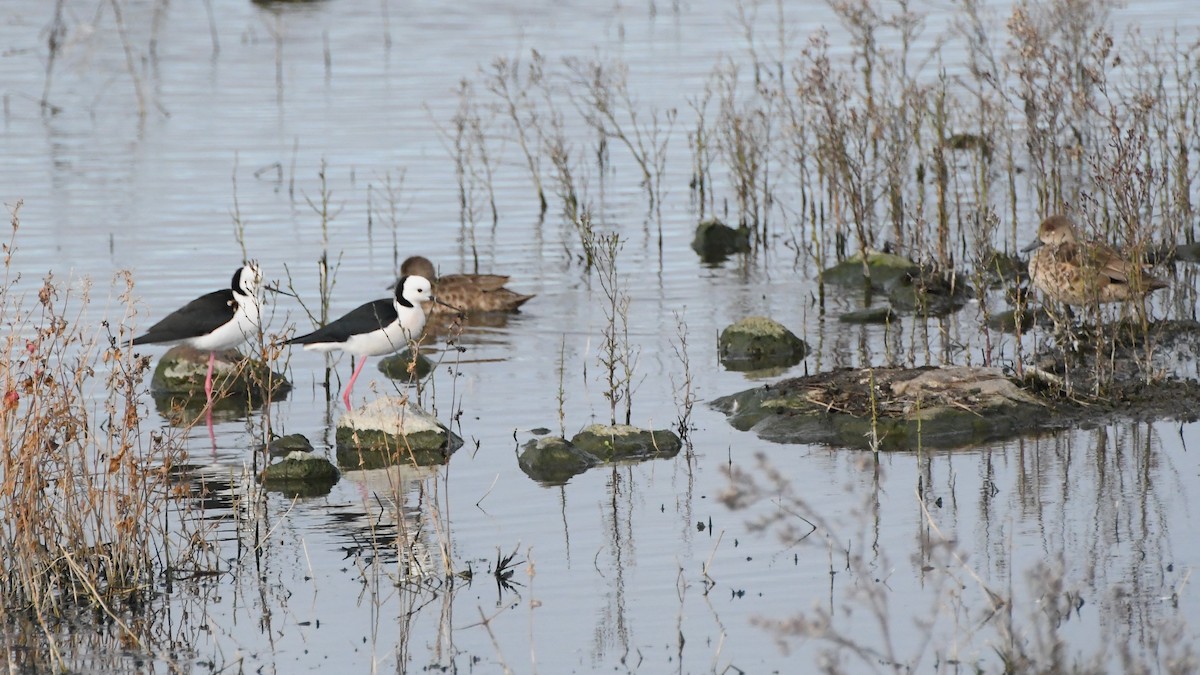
(199, 317)
(366, 318)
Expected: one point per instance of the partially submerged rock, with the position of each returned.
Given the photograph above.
(405, 367)
(880, 271)
(1125, 369)
(554, 460)
(715, 241)
(881, 314)
(923, 289)
(239, 384)
(1009, 320)
(758, 342)
(389, 431)
(897, 407)
(182, 369)
(282, 446)
(301, 474)
(930, 292)
(621, 442)
(969, 141)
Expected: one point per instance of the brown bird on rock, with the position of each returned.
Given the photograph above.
(1080, 273)
(467, 292)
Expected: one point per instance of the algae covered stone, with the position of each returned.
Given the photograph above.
(896, 408)
(880, 271)
(620, 442)
(282, 446)
(715, 241)
(389, 431)
(882, 314)
(239, 384)
(553, 460)
(182, 369)
(302, 474)
(758, 342)
(402, 366)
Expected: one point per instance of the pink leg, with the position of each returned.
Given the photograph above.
(350, 385)
(208, 387)
(212, 435)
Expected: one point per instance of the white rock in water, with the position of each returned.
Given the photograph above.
(391, 415)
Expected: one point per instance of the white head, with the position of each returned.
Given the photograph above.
(413, 291)
(247, 280)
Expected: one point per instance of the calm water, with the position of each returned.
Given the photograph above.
(638, 568)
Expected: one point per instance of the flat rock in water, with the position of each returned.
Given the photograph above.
(715, 241)
(182, 369)
(882, 314)
(403, 367)
(621, 442)
(300, 474)
(881, 271)
(902, 408)
(390, 431)
(553, 460)
(282, 446)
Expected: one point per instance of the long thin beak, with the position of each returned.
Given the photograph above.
(276, 289)
(446, 304)
(1033, 245)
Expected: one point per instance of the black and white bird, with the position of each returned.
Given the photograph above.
(215, 321)
(376, 328)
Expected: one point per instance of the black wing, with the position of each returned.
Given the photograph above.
(199, 317)
(364, 319)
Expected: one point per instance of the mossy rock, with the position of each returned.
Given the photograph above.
(553, 460)
(715, 241)
(757, 342)
(397, 366)
(904, 409)
(1000, 268)
(930, 292)
(282, 446)
(884, 269)
(181, 371)
(882, 314)
(390, 431)
(300, 474)
(969, 141)
(621, 442)
(1007, 321)
(1187, 252)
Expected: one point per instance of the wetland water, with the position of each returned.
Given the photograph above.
(1092, 533)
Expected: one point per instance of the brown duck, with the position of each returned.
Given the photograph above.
(466, 292)
(1080, 273)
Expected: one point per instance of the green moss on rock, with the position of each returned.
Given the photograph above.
(715, 241)
(390, 431)
(302, 474)
(902, 409)
(553, 460)
(621, 442)
(182, 369)
(758, 342)
(401, 366)
(881, 271)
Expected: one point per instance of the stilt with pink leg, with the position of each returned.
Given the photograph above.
(375, 328)
(213, 322)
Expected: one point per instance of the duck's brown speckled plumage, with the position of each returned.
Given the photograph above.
(1081, 273)
(468, 292)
